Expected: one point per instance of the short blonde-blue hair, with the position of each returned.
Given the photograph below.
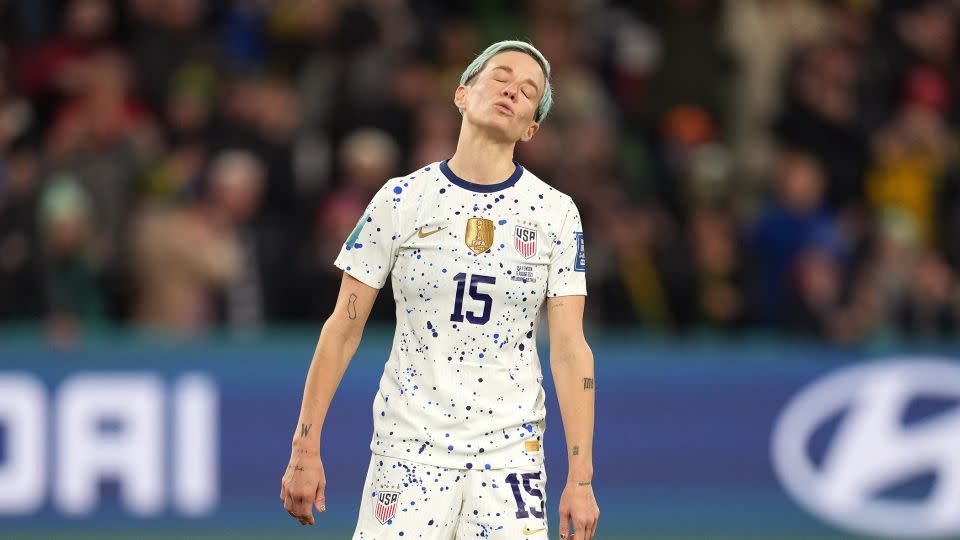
(475, 67)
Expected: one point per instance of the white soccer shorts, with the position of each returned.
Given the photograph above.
(410, 500)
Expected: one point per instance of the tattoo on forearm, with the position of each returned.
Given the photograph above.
(352, 307)
(305, 429)
(576, 450)
(587, 383)
(583, 483)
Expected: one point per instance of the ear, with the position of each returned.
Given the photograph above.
(460, 97)
(531, 130)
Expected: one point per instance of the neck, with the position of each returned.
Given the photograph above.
(480, 158)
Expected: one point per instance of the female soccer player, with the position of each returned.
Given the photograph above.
(474, 246)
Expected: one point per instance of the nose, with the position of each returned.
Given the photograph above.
(510, 92)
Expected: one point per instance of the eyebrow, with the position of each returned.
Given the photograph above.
(509, 69)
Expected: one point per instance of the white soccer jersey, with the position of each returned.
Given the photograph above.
(471, 266)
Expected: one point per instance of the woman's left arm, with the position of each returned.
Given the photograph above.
(571, 362)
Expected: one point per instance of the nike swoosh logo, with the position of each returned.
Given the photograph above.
(422, 234)
(528, 532)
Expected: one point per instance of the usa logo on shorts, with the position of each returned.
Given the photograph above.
(525, 241)
(386, 505)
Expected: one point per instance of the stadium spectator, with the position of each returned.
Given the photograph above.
(820, 116)
(815, 301)
(796, 221)
(21, 293)
(929, 311)
(670, 123)
(199, 264)
(72, 259)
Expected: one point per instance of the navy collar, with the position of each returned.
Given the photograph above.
(481, 188)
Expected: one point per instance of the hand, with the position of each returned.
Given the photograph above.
(303, 485)
(577, 504)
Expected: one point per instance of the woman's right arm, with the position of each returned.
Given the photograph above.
(304, 481)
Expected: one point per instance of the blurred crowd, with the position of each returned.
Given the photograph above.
(184, 166)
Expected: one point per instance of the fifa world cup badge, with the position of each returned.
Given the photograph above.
(479, 235)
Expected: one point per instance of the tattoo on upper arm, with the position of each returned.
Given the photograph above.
(587, 383)
(352, 307)
(305, 429)
(576, 450)
(556, 304)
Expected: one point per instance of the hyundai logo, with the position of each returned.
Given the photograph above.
(873, 447)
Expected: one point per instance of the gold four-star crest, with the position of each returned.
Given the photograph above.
(527, 223)
(479, 234)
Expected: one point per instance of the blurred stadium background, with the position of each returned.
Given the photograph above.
(770, 191)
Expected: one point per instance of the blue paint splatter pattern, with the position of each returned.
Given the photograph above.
(439, 502)
(462, 387)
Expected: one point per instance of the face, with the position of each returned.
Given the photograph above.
(800, 183)
(504, 96)
(237, 188)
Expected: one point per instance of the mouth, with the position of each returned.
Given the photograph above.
(504, 108)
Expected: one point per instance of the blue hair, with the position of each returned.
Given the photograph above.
(475, 67)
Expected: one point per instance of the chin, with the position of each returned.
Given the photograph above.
(502, 126)
(506, 135)
(498, 125)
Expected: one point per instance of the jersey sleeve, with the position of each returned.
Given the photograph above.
(371, 249)
(568, 264)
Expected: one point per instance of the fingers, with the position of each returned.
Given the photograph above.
(297, 505)
(588, 526)
(305, 509)
(320, 500)
(580, 529)
(302, 488)
(300, 508)
(320, 503)
(564, 524)
(299, 518)
(585, 528)
(289, 504)
(594, 522)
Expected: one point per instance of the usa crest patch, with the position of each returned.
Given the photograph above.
(525, 241)
(386, 507)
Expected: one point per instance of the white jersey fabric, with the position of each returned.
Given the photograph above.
(406, 499)
(471, 266)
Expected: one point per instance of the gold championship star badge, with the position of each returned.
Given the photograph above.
(479, 234)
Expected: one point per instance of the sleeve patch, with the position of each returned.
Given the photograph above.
(356, 230)
(580, 264)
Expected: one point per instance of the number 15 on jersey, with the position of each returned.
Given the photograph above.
(475, 281)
